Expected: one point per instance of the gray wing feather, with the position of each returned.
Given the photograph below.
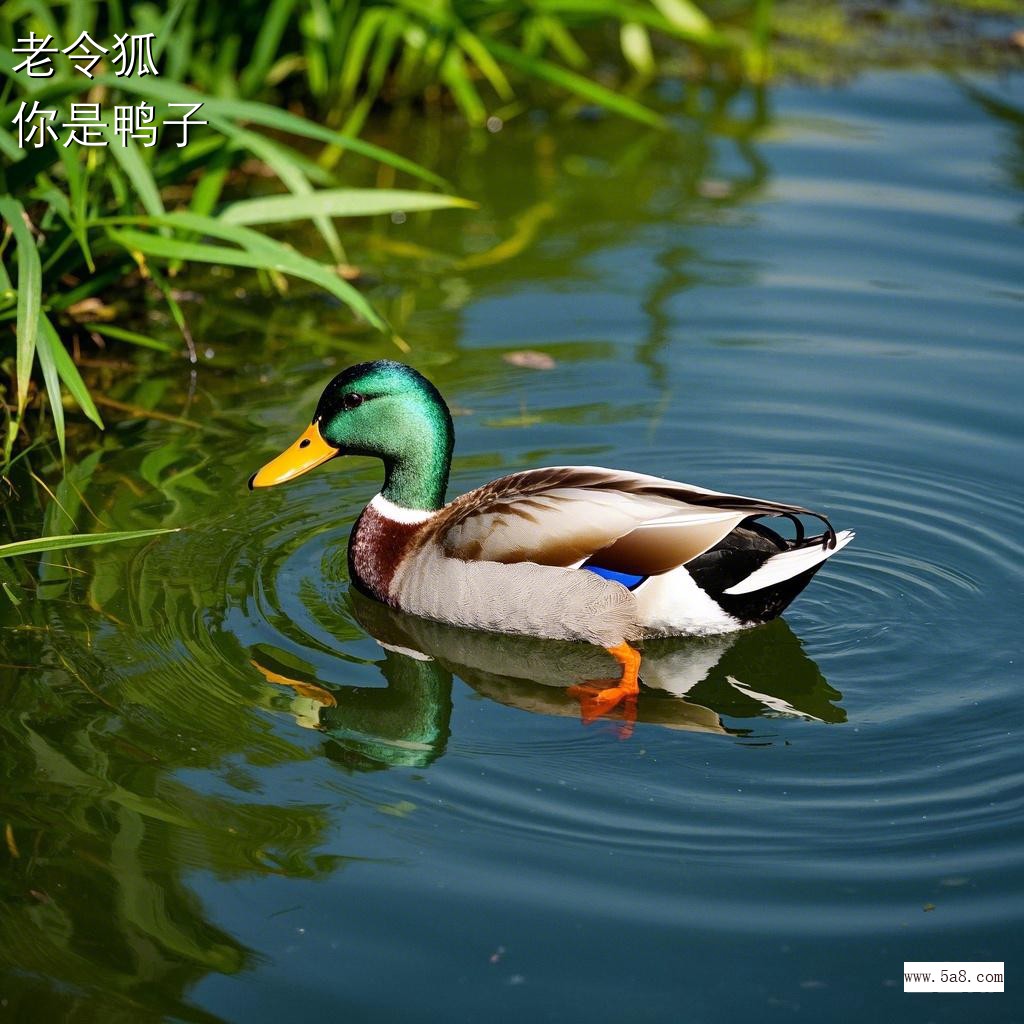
(565, 514)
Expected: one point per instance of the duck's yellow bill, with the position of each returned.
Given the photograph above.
(308, 452)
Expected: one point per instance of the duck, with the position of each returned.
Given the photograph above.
(583, 554)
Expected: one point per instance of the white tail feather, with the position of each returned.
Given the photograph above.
(789, 564)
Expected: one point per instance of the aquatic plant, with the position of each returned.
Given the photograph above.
(84, 209)
(78, 220)
(281, 91)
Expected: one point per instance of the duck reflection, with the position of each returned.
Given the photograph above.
(687, 683)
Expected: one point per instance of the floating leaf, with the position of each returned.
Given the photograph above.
(401, 809)
(530, 359)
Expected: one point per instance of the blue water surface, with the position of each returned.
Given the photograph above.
(274, 801)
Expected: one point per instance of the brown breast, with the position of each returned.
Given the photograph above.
(375, 549)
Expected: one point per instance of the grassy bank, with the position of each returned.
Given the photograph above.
(286, 87)
(285, 91)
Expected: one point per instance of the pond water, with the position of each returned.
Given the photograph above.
(225, 800)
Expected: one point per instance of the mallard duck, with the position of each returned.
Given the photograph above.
(580, 553)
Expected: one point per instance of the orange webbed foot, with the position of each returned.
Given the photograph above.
(597, 701)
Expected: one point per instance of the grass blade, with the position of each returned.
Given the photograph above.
(9, 147)
(270, 255)
(30, 290)
(337, 202)
(693, 29)
(292, 177)
(636, 48)
(489, 67)
(139, 174)
(206, 194)
(456, 77)
(46, 341)
(72, 378)
(266, 47)
(561, 40)
(582, 87)
(354, 64)
(268, 117)
(132, 337)
(686, 16)
(259, 145)
(76, 540)
(165, 32)
(77, 182)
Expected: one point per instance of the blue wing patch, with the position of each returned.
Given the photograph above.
(628, 580)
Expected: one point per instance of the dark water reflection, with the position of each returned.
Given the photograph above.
(234, 790)
(688, 684)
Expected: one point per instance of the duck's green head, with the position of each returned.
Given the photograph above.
(386, 410)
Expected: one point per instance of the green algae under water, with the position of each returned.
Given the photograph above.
(224, 799)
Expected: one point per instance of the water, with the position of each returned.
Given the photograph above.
(814, 297)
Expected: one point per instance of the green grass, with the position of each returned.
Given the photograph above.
(74, 540)
(78, 220)
(289, 83)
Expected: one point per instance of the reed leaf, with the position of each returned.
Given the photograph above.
(47, 341)
(578, 84)
(266, 254)
(267, 117)
(292, 177)
(132, 337)
(71, 377)
(30, 285)
(137, 171)
(76, 540)
(338, 202)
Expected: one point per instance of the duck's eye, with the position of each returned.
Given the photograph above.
(350, 401)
